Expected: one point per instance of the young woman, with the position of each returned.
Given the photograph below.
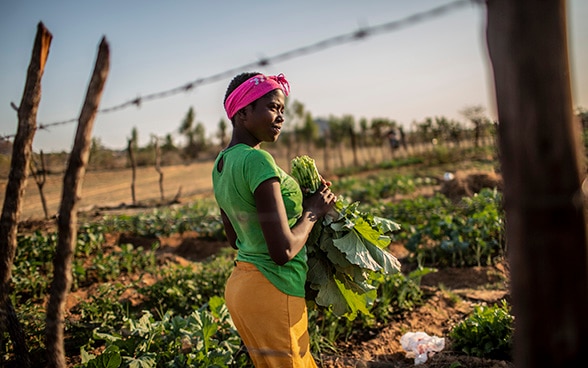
(268, 221)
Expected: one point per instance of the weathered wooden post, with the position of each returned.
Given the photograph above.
(542, 168)
(40, 175)
(157, 149)
(67, 220)
(15, 188)
(131, 153)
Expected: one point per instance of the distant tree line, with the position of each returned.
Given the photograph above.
(303, 134)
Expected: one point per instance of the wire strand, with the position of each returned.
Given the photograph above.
(357, 35)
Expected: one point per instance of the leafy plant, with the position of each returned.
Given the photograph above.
(183, 289)
(202, 217)
(440, 233)
(396, 293)
(486, 333)
(204, 338)
(346, 251)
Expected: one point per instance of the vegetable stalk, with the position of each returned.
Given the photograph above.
(346, 251)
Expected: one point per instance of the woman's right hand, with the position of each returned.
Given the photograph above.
(321, 201)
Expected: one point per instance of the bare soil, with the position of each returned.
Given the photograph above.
(450, 293)
(111, 190)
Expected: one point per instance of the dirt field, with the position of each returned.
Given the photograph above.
(111, 189)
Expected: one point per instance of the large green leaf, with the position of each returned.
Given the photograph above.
(389, 263)
(143, 361)
(386, 225)
(371, 235)
(355, 251)
(329, 295)
(355, 302)
(318, 271)
(334, 254)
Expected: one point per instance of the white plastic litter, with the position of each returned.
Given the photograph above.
(421, 345)
(448, 176)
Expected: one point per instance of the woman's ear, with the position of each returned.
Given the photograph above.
(241, 114)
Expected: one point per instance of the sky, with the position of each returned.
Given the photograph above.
(436, 67)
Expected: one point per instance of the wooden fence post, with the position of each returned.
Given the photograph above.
(131, 153)
(157, 149)
(541, 160)
(67, 221)
(15, 188)
(40, 175)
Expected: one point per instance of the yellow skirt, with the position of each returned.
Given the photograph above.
(273, 325)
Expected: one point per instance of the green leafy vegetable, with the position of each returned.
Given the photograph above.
(305, 172)
(346, 251)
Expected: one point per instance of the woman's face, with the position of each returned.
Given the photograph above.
(265, 117)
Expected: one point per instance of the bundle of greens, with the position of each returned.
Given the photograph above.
(346, 251)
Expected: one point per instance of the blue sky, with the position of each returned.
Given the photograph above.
(434, 68)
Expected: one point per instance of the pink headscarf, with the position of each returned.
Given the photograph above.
(252, 89)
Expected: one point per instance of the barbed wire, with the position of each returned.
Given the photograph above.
(359, 34)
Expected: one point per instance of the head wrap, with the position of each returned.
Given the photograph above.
(252, 89)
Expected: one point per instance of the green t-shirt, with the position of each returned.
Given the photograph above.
(244, 168)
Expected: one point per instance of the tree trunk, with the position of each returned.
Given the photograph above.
(541, 164)
(15, 188)
(67, 221)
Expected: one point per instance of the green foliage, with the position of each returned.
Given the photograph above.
(487, 332)
(388, 164)
(371, 190)
(202, 217)
(435, 230)
(183, 289)
(103, 307)
(396, 293)
(346, 251)
(346, 255)
(204, 338)
(440, 233)
(303, 169)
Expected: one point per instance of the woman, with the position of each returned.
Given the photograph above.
(268, 221)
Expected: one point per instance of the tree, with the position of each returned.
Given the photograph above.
(199, 140)
(135, 138)
(310, 131)
(477, 116)
(424, 130)
(380, 128)
(168, 144)
(186, 129)
(364, 140)
(348, 125)
(222, 132)
(337, 135)
(582, 115)
(295, 117)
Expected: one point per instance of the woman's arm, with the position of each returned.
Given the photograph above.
(285, 242)
(229, 230)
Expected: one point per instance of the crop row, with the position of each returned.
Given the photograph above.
(179, 318)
